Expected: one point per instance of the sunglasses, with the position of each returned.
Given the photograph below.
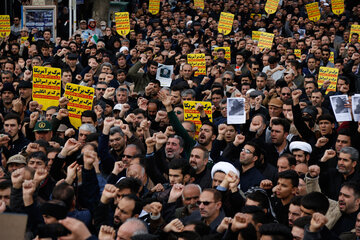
(227, 79)
(285, 94)
(206, 203)
(101, 89)
(128, 156)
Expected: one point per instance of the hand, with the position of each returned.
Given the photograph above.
(71, 146)
(119, 166)
(108, 193)
(161, 139)
(28, 189)
(296, 94)
(69, 132)
(33, 118)
(40, 175)
(143, 59)
(2, 206)
(317, 222)
(222, 129)
(166, 100)
(155, 208)
(258, 101)
(33, 105)
(71, 173)
(145, 125)
(174, 226)
(17, 105)
(63, 113)
(106, 233)
(176, 192)
(4, 139)
(169, 131)
(158, 188)
(321, 142)
(32, 147)
(239, 139)
(98, 111)
(89, 159)
(160, 115)
(63, 102)
(266, 184)
(199, 107)
(329, 153)
(240, 221)
(130, 118)
(124, 109)
(150, 143)
(224, 225)
(108, 123)
(109, 92)
(77, 228)
(17, 178)
(126, 130)
(314, 171)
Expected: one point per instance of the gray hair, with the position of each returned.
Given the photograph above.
(193, 126)
(138, 150)
(188, 91)
(88, 127)
(190, 185)
(122, 89)
(139, 227)
(232, 75)
(107, 65)
(115, 130)
(354, 154)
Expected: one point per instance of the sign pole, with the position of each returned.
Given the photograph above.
(70, 18)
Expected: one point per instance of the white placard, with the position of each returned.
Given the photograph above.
(355, 103)
(236, 111)
(342, 114)
(164, 73)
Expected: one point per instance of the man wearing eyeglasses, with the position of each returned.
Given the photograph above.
(210, 209)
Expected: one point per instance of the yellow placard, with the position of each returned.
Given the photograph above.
(225, 23)
(122, 23)
(354, 29)
(4, 25)
(271, 6)
(80, 99)
(191, 114)
(255, 36)
(331, 74)
(197, 60)
(265, 40)
(46, 86)
(297, 53)
(199, 4)
(313, 11)
(154, 6)
(337, 6)
(331, 59)
(227, 52)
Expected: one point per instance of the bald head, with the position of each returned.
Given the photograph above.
(130, 228)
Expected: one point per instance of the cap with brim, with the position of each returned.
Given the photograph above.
(43, 126)
(24, 84)
(311, 110)
(83, 21)
(276, 102)
(117, 107)
(8, 87)
(18, 158)
(72, 56)
(62, 128)
(255, 93)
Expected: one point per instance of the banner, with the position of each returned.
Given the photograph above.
(266, 40)
(354, 29)
(337, 6)
(313, 11)
(297, 53)
(154, 6)
(199, 4)
(331, 74)
(225, 23)
(255, 36)
(227, 52)
(80, 99)
(191, 114)
(4, 25)
(46, 86)
(122, 23)
(271, 6)
(197, 60)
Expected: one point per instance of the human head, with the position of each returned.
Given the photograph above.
(130, 228)
(174, 147)
(349, 197)
(129, 206)
(209, 204)
(190, 196)
(199, 157)
(314, 202)
(287, 184)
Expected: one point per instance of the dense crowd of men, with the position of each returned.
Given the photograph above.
(136, 169)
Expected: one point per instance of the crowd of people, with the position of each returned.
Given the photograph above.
(136, 168)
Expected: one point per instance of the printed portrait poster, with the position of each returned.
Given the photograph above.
(355, 104)
(46, 86)
(236, 111)
(164, 73)
(342, 113)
